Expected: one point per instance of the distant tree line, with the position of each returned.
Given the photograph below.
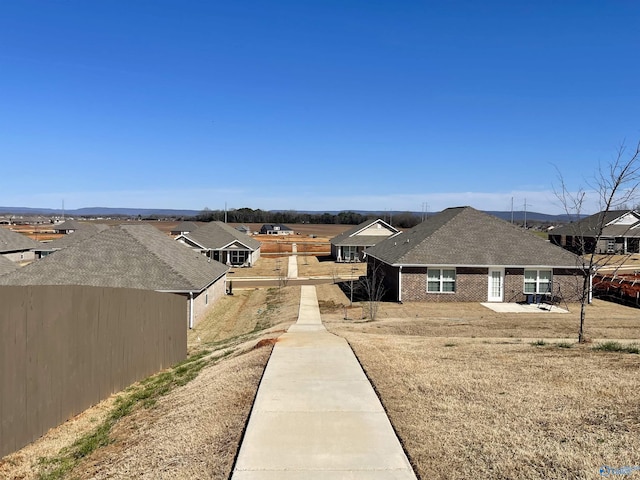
(249, 215)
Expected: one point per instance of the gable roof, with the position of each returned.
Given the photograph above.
(588, 227)
(7, 266)
(130, 256)
(68, 225)
(217, 235)
(85, 231)
(185, 227)
(353, 235)
(465, 236)
(11, 241)
(276, 226)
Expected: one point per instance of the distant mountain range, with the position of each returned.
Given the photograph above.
(517, 216)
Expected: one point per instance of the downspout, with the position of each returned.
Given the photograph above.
(190, 310)
(400, 284)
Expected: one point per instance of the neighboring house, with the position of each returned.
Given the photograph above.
(219, 241)
(16, 246)
(464, 255)
(275, 229)
(620, 233)
(184, 228)
(244, 229)
(7, 266)
(67, 227)
(136, 256)
(349, 246)
(84, 231)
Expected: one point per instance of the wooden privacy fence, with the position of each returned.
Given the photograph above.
(65, 348)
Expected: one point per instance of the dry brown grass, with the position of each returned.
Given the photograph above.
(470, 397)
(604, 320)
(246, 311)
(193, 432)
(308, 266)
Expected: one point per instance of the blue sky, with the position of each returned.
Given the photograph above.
(312, 105)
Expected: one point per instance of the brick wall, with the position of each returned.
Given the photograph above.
(472, 285)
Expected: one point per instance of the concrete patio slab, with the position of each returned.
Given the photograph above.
(522, 308)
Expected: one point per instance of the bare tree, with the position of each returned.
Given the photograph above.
(372, 285)
(615, 184)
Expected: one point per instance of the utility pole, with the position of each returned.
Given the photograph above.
(525, 212)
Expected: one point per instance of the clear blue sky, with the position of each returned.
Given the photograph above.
(312, 105)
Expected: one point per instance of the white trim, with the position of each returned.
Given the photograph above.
(490, 284)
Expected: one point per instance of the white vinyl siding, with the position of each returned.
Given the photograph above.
(537, 281)
(441, 280)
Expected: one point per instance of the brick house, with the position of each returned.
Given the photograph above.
(464, 255)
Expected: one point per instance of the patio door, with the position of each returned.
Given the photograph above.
(496, 285)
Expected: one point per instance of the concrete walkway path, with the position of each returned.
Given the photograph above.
(316, 415)
(292, 271)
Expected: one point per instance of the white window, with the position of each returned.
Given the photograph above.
(441, 280)
(537, 281)
(238, 257)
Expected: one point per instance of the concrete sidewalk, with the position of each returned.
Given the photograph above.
(292, 271)
(316, 415)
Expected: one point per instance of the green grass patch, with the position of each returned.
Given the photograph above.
(449, 344)
(142, 395)
(564, 345)
(538, 343)
(618, 347)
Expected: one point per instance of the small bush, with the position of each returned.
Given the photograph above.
(538, 343)
(564, 345)
(617, 347)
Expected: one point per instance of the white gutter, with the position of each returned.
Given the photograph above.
(190, 310)
(400, 284)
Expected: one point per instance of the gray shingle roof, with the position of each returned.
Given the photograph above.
(587, 227)
(185, 227)
(7, 266)
(11, 241)
(275, 226)
(130, 256)
(216, 235)
(465, 236)
(350, 237)
(85, 231)
(68, 225)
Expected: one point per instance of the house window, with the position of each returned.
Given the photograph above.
(441, 280)
(537, 281)
(350, 253)
(238, 257)
(611, 245)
